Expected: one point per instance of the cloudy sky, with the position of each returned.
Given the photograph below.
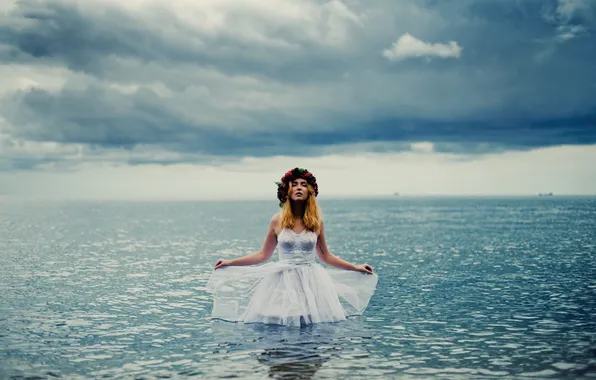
(162, 99)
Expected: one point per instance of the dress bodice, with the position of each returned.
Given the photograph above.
(297, 248)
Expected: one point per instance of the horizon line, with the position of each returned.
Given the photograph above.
(329, 197)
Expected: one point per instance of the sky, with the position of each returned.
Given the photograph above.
(216, 99)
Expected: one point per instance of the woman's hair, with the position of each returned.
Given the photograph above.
(312, 212)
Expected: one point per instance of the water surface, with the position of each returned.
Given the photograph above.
(468, 288)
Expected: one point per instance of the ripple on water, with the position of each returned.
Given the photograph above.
(468, 288)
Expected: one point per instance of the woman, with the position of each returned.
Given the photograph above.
(295, 290)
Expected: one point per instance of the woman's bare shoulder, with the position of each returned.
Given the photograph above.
(275, 223)
(321, 229)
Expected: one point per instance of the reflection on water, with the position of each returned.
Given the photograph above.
(468, 288)
(285, 352)
(292, 362)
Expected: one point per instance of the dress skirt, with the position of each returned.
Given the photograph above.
(286, 293)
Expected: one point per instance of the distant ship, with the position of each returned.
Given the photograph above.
(396, 194)
(545, 194)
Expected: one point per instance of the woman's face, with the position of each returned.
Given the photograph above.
(299, 190)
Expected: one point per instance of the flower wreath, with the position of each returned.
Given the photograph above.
(291, 175)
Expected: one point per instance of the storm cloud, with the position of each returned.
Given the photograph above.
(150, 81)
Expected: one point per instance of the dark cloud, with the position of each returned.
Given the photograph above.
(25, 163)
(62, 33)
(265, 87)
(94, 116)
(111, 120)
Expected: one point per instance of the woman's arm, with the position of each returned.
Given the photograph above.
(259, 256)
(331, 259)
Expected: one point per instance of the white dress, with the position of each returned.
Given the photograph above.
(294, 291)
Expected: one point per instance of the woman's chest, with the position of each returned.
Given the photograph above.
(289, 241)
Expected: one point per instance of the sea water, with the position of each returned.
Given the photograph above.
(468, 288)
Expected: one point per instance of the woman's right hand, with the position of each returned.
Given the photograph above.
(364, 268)
(222, 263)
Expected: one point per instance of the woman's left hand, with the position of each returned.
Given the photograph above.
(365, 268)
(222, 263)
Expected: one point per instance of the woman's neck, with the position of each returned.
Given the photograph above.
(298, 210)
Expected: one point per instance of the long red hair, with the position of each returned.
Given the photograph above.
(312, 212)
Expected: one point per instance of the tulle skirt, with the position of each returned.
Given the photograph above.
(285, 293)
